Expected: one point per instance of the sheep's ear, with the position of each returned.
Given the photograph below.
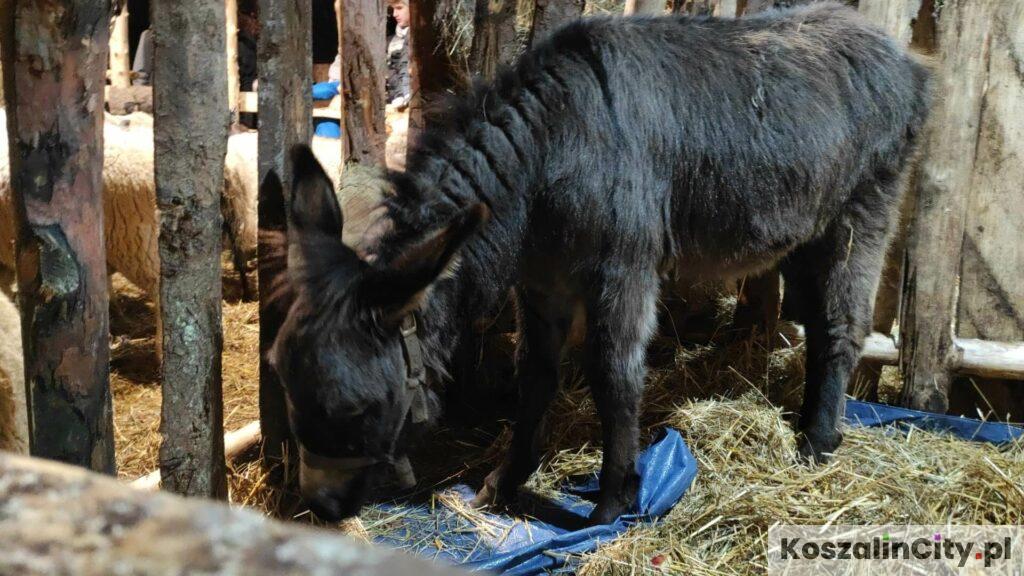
(314, 207)
(398, 286)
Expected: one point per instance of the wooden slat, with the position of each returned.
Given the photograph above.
(943, 189)
(53, 75)
(970, 356)
(991, 302)
(120, 63)
(231, 43)
(363, 63)
(190, 98)
(285, 93)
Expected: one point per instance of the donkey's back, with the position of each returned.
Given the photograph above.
(723, 144)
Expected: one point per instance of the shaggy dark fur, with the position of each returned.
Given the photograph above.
(617, 151)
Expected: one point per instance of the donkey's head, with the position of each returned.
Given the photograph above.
(348, 352)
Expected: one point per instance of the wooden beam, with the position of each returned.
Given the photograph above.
(61, 520)
(970, 356)
(120, 63)
(285, 93)
(231, 32)
(190, 141)
(943, 189)
(363, 47)
(53, 79)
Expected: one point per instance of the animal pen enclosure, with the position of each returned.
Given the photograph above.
(954, 306)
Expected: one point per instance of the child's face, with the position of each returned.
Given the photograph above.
(401, 14)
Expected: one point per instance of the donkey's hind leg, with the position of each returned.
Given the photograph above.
(836, 278)
(544, 323)
(621, 317)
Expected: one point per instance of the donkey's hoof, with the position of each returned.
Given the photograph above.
(816, 451)
(493, 492)
(606, 514)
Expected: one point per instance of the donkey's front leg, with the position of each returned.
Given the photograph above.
(544, 322)
(621, 320)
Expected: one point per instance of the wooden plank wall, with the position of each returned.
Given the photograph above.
(991, 304)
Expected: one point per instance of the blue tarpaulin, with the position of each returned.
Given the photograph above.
(516, 547)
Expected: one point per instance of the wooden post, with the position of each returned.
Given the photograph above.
(285, 105)
(901, 20)
(551, 14)
(54, 76)
(991, 301)
(231, 31)
(120, 63)
(432, 74)
(190, 141)
(644, 7)
(943, 186)
(363, 46)
(495, 39)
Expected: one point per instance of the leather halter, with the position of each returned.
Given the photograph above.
(415, 381)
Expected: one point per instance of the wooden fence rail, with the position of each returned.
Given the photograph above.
(58, 519)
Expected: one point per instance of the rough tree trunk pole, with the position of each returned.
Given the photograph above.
(55, 61)
(120, 64)
(363, 47)
(61, 520)
(499, 34)
(190, 140)
(431, 73)
(231, 31)
(927, 351)
(285, 105)
(551, 14)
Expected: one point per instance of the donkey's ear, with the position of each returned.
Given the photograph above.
(272, 213)
(398, 286)
(314, 206)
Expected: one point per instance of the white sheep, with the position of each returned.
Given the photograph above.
(13, 419)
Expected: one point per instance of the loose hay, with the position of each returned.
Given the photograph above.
(135, 375)
(749, 479)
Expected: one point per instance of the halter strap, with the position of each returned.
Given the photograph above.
(415, 369)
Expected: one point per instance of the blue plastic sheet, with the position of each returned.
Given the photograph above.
(860, 413)
(514, 547)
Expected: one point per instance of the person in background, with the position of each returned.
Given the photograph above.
(397, 83)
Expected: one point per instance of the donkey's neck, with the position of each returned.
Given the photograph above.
(491, 155)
